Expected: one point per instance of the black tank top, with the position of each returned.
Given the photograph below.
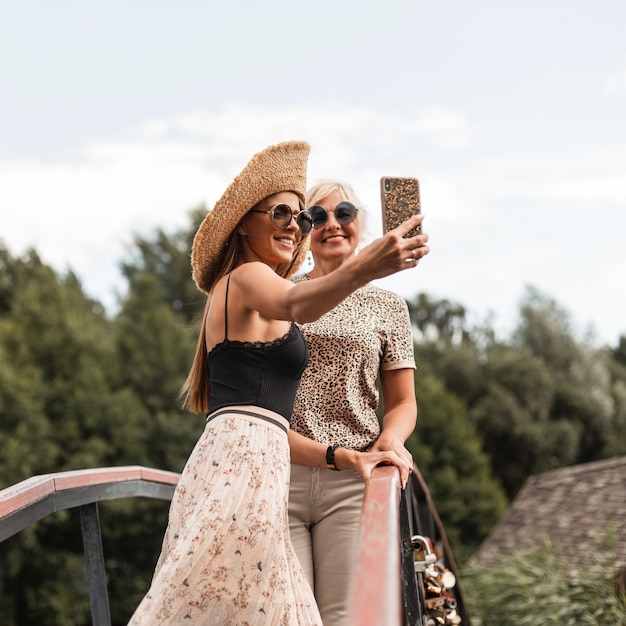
(265, 374)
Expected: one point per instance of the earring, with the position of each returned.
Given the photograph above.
(309, 260)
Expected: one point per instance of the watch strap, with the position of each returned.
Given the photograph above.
(330, 458)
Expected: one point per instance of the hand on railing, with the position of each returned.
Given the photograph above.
(364, 462)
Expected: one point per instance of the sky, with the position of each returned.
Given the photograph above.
(117, 118)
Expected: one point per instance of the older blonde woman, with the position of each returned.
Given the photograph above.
(366, 337)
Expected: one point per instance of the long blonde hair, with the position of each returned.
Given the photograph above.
(196, 390)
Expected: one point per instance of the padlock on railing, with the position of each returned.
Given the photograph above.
(438, 581)
(423, 554)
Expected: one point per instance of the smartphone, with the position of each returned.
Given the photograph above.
(400, 199)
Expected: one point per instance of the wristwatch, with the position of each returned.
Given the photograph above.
(330, 458)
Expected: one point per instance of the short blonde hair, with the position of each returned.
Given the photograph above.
(324, 188)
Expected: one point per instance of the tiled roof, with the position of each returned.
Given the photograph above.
(573, 507)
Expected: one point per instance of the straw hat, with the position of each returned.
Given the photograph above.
(278, 168)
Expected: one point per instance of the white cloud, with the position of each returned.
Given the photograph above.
(495, 224)
(88, 204)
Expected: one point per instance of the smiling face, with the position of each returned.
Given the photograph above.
(263, 241)
(333, 243)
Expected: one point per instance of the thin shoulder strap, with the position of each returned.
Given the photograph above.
(226, 309)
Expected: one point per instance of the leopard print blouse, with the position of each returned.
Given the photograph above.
(337, 399)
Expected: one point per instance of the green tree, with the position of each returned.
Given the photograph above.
(155, 345)
(538, 401)
(619, 353)
(59, 411)
(166, 258)
(513, 415)
(616, 446)
(447, 451)
(155, 350)
(588, 381)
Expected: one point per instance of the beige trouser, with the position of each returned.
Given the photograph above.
(324, 518)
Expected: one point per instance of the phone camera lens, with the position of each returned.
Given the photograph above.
(387, 185)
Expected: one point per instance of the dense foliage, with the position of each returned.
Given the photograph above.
(81, 389)
(537, 587)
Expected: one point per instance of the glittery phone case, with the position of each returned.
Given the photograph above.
(400, 198)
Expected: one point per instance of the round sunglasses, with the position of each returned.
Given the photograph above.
(345, 213)
(282, 214)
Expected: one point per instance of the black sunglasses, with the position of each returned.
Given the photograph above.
(281, 216)
(345, 213)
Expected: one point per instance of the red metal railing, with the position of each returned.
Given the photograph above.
(385, 592)
(377, 594)
(33, 499)
(390, 587)
(36, 497)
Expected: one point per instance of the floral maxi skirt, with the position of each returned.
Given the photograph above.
(227, 558)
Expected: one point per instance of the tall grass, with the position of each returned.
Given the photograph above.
(537, 586)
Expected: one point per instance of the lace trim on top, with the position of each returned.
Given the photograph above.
(256, 345)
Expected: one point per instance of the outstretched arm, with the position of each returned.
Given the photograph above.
(307, 301)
